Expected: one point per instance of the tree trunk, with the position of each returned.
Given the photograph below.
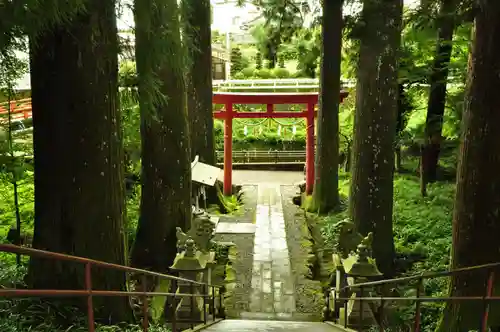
(371, 196)
(477, 201)
(166, 165)
(326, 188)
(437, 95)
(50, 121)
(198, 33)
(199, 83)
(79, 193)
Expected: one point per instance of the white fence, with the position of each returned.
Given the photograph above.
(273, 84)
(263, 156)
(296, 84)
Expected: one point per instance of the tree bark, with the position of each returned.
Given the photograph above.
(477, 201)
(79, 193)
(166, 165)
(437, 96)
(326, 188)
(371, 193)
(198, 34)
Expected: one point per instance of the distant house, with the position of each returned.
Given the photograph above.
(219, 55)
(219, 60)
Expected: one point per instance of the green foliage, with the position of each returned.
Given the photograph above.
(258, 61)
(34, 315)
(229, 204)
(283, 18)
(308, 44)
(237, 61)
(217, 37)
(281, 61)
(263, 73)
(22, 323)
(238, 76)
(280, 73)
(127, 74)
(131, 124)
(247, 72)
(422, 228)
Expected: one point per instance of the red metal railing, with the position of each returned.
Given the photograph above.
(19, 110)
(90, 293)
(486, 298)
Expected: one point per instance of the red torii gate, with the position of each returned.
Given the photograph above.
(228, 99)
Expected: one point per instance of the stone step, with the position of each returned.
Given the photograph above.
(270, 326)
(280, 316)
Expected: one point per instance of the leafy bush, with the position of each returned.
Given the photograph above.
(238, 76)
(280, 73)
(263, 73)
(127, 74)
(247, 72)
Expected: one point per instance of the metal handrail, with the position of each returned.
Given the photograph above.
(419, 278)
(90, 293)
(10, 248)
(425, 275)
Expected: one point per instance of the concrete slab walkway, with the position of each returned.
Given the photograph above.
(269, 326)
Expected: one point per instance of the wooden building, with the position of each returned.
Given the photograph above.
(219, 59)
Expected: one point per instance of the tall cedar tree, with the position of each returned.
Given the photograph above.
(79, 193)
(437, 95)
(476, 223)
(166, 166)
(326, 188)
(371, 196)
(199, 79)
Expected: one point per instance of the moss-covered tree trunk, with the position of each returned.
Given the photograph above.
(79, 194)
(437, 95)
(476, 223)
(199, 79)
(371, 195)
(326, 188)
(166, 165)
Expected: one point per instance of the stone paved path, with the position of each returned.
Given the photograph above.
(272, 284)
(266, 287)
(269, 326)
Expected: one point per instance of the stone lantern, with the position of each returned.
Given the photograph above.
(190, 264)
(360, 267)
